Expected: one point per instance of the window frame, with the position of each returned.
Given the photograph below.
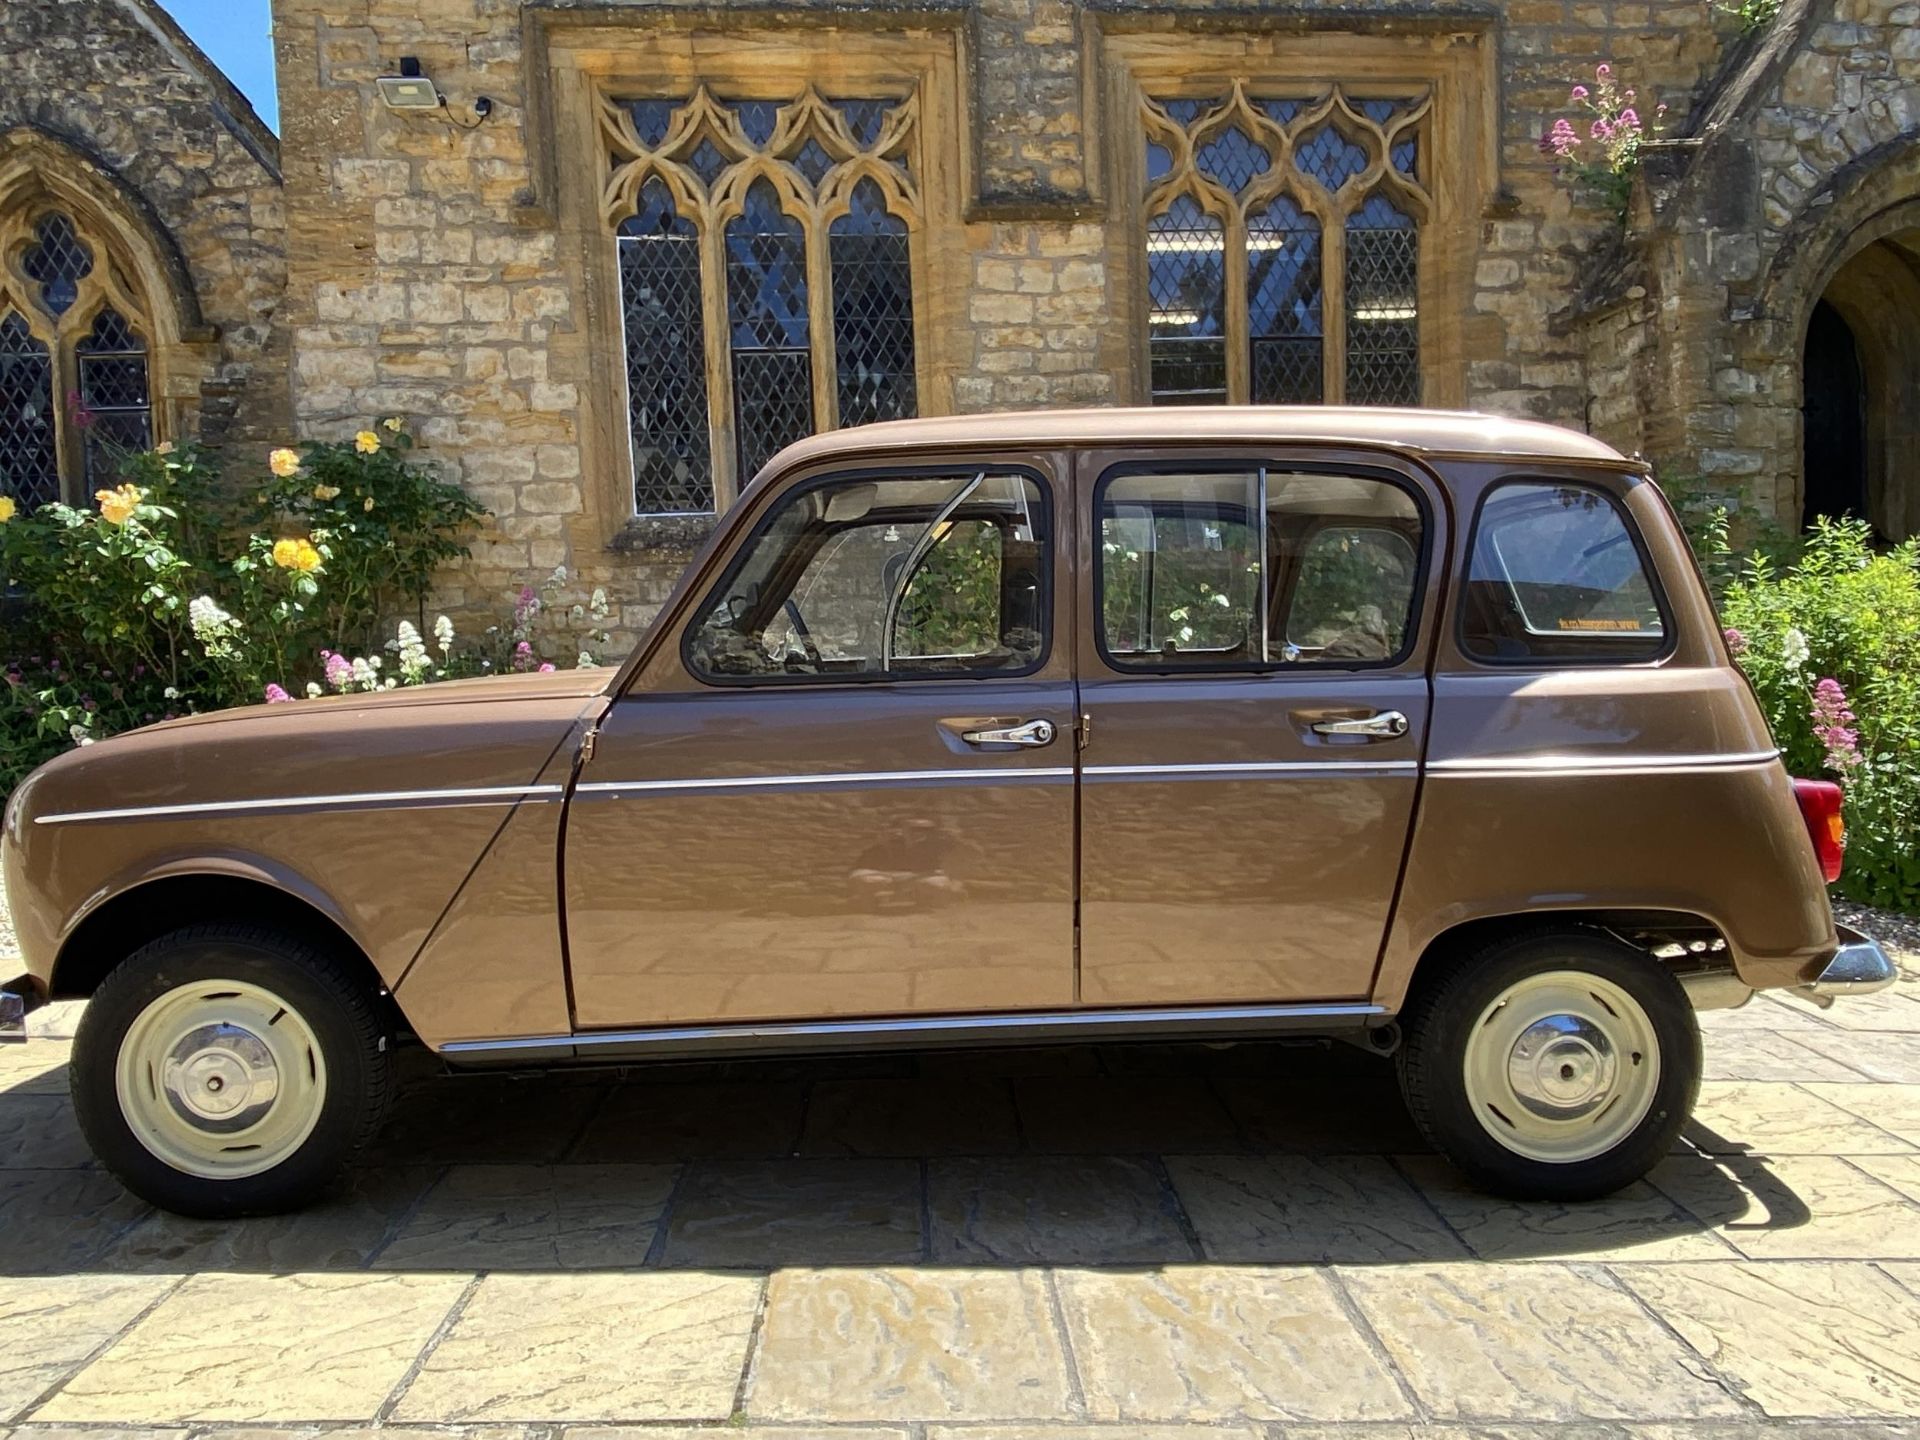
(1216, 465)
(1670, 637)
(696, 617)
(1459, 164)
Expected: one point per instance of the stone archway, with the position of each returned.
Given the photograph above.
(1860, 387)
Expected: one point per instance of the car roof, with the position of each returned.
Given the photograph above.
(1451, 432)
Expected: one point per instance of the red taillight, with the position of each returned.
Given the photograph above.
(1820, 808)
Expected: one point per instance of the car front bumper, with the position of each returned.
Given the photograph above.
(1858, 967)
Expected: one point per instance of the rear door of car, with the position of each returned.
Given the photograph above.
(1255, 701)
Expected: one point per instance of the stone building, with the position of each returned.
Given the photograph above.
(644, 243)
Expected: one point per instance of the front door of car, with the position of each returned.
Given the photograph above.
(1254, 630)
(841, 782)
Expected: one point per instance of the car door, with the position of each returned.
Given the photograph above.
(1254, 635)
(841, 782)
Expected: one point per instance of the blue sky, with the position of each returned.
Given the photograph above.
(238, 37)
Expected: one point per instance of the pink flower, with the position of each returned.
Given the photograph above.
(1602, 71)
(276, 696)
(1601, 130)
(1736, 641)
(1833, 728)
(1629, 119)
(546, 667)
(1580, 92)
(339, 669)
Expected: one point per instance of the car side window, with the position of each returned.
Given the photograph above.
(1556, 573)
(884, 577)
(1247, 567)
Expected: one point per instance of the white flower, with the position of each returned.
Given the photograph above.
(171, 693)
(578, 613)
(413, 653)
(314, 692)
(1222, 601)
(208, 620)
(559, 574)
(585, 662)
(1793, 648)
(443, 633)
(78, 734)
(597, 605)
(363, 675)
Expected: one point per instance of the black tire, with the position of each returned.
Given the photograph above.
(334, 1000)
(1432, 1062)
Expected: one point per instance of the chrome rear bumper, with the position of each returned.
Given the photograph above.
(1858, 967)
(13, 1017)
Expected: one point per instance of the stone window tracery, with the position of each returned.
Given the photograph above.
(1282, 245)
(766, 278)
(75, 387)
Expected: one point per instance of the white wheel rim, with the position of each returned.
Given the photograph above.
(1562, 1066)
(221, 1079)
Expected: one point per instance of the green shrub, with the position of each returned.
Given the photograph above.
(1832, 644)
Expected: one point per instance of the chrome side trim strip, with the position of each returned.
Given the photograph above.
(931, 1026)
(1596, 764)
(983, 775)
(399, 799)
(1253, 768)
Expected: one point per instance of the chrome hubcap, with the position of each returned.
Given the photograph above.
(221, 1079)
(1562, 1067)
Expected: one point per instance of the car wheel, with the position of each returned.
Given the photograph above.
(230, 1070)
(1552, 1066)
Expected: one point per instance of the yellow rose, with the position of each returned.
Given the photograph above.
(325, 492)
(117, 506)
(295, 555)
(393, 424)
(284, 463)
(7, 509)
(165, 447)
(369, 504)
(366, 442)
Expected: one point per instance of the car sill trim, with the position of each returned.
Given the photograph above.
(981, 775)
(1010, 1028)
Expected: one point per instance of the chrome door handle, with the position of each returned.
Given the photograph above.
(1387, 725)
(1033, 732)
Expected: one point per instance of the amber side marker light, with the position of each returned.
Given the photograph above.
(1820, 807)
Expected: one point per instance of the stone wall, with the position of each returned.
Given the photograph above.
(429, 273)
(116, 86)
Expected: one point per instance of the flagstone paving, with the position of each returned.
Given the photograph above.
(1084, 1244)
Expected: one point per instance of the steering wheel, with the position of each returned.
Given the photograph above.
(806, 635)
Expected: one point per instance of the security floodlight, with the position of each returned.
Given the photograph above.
(408, 92)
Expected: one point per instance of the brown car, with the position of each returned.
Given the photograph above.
(1413, 728)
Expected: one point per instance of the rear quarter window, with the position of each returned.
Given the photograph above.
(1557, 573)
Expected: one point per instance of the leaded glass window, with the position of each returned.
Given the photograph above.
(112, 365)
(766, 278)
(76, 385)
(1283, 245)
(666, 357)
(872, 310)
(29, 461)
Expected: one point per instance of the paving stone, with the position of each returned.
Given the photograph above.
(1889, 1059)
(633, 1346)
(648, 1123)
(1636, 1223)
(769, 1214)
(1052, 1210)
(56, 1021)
(1902, 1172)
(1737, 1116)
(1205, 1343)
(971, 1064)
(1296, 1209)
(37, 1132)
(1794, 1207)
(1787, 1055)
(534, 1217)
(920, 1344)
(36, 1068)
(484, 1120)
(264, 1347)
(49, 1325)
(910, 1117)
(1531, 1342)
(1103, 1432)
(1344, 1117)
(1801, 1339)
(338, 1233)
(1070, 1115)
(53, 1222)
(1764, 1012)
(1894, 1108)
(754, 1432)
(1896, 1011)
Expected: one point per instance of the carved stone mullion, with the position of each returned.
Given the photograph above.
(826, 395)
